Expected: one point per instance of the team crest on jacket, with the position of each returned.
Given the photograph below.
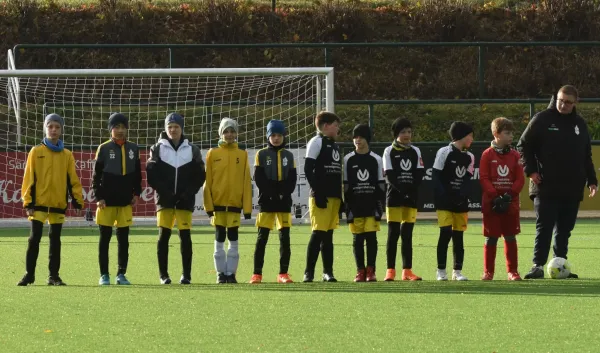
(405, 164)
(284, 161)
(576, 130)
(460, 171)
(336, 155)
(362, 175)
(131, 155)
(503, 170)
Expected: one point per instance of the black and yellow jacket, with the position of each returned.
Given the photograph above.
(49, 179)
(175, 172)
(117, 173)
(228, 184)
(275, 176)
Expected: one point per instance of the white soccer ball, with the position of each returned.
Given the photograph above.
(558, 268)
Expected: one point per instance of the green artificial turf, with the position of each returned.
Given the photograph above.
(428, 316)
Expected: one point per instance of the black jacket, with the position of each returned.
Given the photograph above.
(558, 147)
(175, 173)
(275, 176)
(117, 173)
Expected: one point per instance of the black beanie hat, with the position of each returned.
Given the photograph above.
(459, 130)
(362, 130)
(399, 125)
(116, 119)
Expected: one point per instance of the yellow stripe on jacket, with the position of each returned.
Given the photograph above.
(46, 178)
(228, 183)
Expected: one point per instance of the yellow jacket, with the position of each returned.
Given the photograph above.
(49, 177)
(228, 186)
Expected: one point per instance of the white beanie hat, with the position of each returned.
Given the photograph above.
(227, 123)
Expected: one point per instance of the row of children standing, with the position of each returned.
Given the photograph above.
(364, 180)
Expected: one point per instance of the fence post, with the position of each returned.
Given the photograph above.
(372, 116)
(273, 5)
(531, 110)
(170, 58)
(481, 69)
(327, 57)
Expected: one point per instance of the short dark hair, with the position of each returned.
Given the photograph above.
(502, 124)
(326, 118)
(569, 90)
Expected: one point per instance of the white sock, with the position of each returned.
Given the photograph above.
(219, 255)
(233, 257)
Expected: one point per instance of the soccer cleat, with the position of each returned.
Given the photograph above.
(361, 276)
(458, 276)
(572, 275)
(308, 277)
(441, 275)
(55, 281)
(328, 277)
(122, 280)
(221, 278)
(165, 280)
(27, 279)
(371, 274)
(488, 276)
(255, 279)
(514, 276)
(284, 278)
(408, 275)
(104, 280)
(231, 278)
(184, 280)
(390, 275)
(536, 272)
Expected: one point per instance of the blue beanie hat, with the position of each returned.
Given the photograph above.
(174, 118)
(53, 117)
(116, 119)
(275, 127)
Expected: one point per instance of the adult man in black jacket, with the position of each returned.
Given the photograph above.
(557, 157)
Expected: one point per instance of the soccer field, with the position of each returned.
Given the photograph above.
(428, 316)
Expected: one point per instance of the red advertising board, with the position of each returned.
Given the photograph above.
(12, 165)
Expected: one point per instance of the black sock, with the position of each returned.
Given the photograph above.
(358, 248)
(220, 234)
(458, 249)
(103, 246)
(312, 251)
(371, 238)
(185, 247)
(123, 250)
(55, 247)
(406, 232)
(259, 249)
(442, 246)
(327, 252)
(232, 233)
(285, 251)
(162, 250)
(391, 248)
(33, 247)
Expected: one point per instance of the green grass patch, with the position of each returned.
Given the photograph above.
(428, 316)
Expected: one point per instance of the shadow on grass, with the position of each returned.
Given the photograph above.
(580, 288)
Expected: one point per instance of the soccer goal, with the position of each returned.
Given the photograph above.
(86, 98)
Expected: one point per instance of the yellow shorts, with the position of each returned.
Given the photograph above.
(226, 219)
(401, 214)
(119, 216)
(52, 218)
(324, 219)
(364, 225)
(458, 221)
(167, 216)
(267, 219)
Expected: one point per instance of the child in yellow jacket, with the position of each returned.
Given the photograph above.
(49, 174)
(227, 192)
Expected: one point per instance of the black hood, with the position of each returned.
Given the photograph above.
(552, 105)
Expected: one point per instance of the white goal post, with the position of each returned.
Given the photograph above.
(86, 97)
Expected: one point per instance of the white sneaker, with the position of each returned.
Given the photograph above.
(458, 276)
(441, 275)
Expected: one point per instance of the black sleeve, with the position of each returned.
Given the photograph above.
(289, 184)
(528, 145)
(137, 179)
(418, 176)
(199, 173)
(437, 182)
(392, 179)
(309, 172)
(262, 183)
(97, 180)
(589, 163)
(152, 171)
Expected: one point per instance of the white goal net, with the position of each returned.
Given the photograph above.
(86, 98)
